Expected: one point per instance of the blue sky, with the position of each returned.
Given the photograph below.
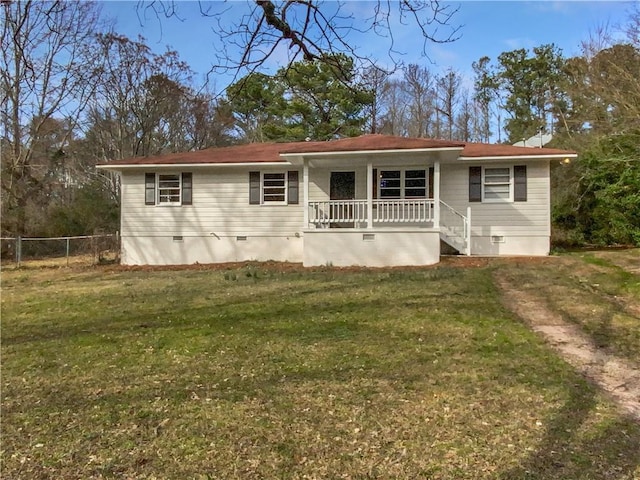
(487, 28)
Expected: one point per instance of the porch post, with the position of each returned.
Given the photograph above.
(436, 194)
(369, 194)
(305, 191)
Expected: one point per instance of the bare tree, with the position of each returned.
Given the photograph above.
(420, 84)
(375, 80)
(486, 95)
(447, 98)
(394, 102)
(48, 66)
(632, 27)
(250, 35)
(464, 119)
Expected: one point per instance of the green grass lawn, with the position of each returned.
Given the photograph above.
(264, 372)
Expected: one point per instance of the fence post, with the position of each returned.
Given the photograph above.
(68, 239)
(18, 249)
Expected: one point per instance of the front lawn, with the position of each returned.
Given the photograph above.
(262, 372)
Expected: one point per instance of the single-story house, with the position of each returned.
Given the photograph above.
(373, 200)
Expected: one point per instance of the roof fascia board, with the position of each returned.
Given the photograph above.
(518, 157)
(131, 166)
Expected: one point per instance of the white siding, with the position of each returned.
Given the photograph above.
(525, 227)
(220, 207)
(211, 226)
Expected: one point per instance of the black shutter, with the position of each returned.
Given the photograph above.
(432, 171)
(254, 188)
(187, 188)
(292, 186)
(149, 188)
(475, 184)
(520, 183)
(374, 183)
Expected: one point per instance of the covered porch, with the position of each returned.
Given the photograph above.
(380, 198)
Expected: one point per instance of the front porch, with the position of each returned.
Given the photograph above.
(377, 209)
(401, 232)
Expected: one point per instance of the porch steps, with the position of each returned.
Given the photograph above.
(454, 240)
(455, 228)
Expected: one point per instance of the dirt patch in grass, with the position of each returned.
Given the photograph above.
(627, 259)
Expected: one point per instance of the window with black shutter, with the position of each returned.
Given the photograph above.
(150, 188)
(292, 186)
(475, 184)
(254, 188)
(187, 188)
(520, 183)
(168, 189)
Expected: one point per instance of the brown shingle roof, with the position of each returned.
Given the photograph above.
(369, 142)
(270, 152)
(253, 152)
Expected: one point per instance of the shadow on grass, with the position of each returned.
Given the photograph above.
(566, 452)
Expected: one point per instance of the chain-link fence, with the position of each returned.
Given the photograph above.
(60, 251)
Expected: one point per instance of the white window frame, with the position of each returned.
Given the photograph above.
(403, 184)
(159, 201)
(509, 184)
(285, 187)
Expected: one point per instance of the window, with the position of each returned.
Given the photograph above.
(273, 188)
(403, 184)
(498, 184)
(415, 184)
(168, 188)
(390, 183)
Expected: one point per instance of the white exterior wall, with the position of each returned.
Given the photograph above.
(221, 225)
(144, 250)
(319, 179)
(211, 226)
(372, 248)
(525, 227)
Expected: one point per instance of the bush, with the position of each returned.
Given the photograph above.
(599, 200)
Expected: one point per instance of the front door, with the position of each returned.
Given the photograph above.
(342, 186)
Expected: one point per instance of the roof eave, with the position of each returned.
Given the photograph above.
(131, 166)
(549, 156)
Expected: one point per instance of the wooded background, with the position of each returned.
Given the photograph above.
(75, 93)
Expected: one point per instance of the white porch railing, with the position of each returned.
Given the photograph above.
(403, 211)
(354, 212)
(323, 214)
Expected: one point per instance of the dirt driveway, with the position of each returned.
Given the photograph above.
(543, 305)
